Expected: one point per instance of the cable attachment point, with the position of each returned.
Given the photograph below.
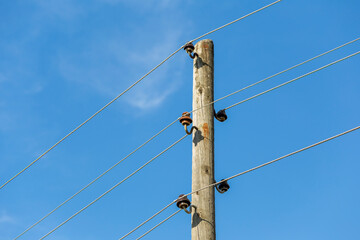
(189, 48)
(220, 115)
(183, 202)
(186, 120)
(223, 186)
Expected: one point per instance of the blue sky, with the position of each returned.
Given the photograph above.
(63, 60)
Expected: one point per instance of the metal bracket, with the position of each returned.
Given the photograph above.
(189, 48)
(191, 206)
(191, 130)
(186, 121)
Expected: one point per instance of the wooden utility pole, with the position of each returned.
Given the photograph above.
(203, 219)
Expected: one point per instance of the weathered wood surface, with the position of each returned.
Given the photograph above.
(203, 220)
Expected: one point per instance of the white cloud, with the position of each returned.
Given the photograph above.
(5, 218)
(110, 65)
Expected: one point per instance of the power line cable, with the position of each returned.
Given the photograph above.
(279, 73)
(293, 80)
(236, 20)
(112, 188)
(277, 159)
(140, 145)
(82, 124)
(104, 107)
(166, 207)
(259, 95)
(157, 225)
(93, 181)
(286, 70)
(247, 171)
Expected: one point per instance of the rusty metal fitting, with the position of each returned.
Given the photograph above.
(183, 202)
(191, 207)
(189, 48)
(220, 115)
(223, 186)
(185, 119)
(191, 130)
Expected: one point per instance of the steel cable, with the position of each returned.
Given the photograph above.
(276, 160)
(112, 188)
(247, 171)
(82, 124)
(157, 225)
(93, 181)
(166, 207)
(297, 65)
(279, 73)
(288, 69)
(104, 107)
(293, 80)
(236, 20)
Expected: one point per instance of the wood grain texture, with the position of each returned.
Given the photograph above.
(203, 220)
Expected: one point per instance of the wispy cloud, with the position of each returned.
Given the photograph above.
(104, 63)
(111, 63)
(6, 219)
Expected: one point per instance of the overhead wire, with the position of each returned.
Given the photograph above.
(163, 209)
(286, 70)
(236, 20)
(131, 86)
(112, 188)
(293, 80)
(258, 10)
(157, 225)
(280, 158)
(277, 74)
(277, 159)
(267, 78)
(247, 171)
(178, 118)
(307, 74)
(93, 181)
(87, 120)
